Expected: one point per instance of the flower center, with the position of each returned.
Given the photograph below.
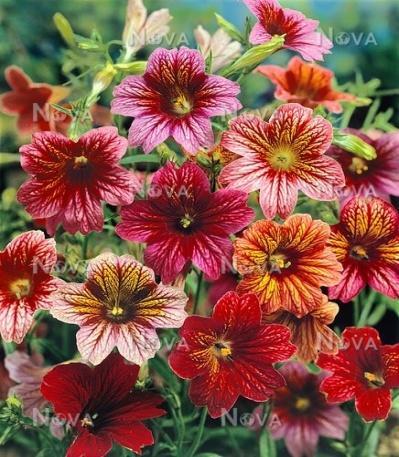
(80, 162)
(222, 349)
(88, 420)
(186, 221)
(20, 287)
(181, 104)
(302, 404)
(277, 262)
(117, 311)
(373, 380)
(282, 158)
(359, 253)
(358, 166)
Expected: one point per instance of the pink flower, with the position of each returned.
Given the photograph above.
(378, 177)
(120, 305)
(25, 282)
(183, 221)
(174, 97)
(299, 31)
(70, 179)
(28, 372)
(282, 156)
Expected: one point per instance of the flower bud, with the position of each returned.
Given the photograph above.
(103, 79)
(354, 144)
(254, 56)
(229, 28)
(65, 29)
(133, 68)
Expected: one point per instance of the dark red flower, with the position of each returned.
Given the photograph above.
(364, 370)
(31, 102)
(101, 405)
(182, 221)
(300, 413)
(231, 354)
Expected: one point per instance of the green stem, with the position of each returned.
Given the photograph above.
(198, 438)
(367, 436)
(233, 441)
(356, 310)
(346, 118)
(382, 93)
(366, 309)
(198, 292)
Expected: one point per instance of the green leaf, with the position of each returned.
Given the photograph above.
(267, 445)
(140, 158)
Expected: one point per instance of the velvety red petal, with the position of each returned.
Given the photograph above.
(374, 404)
(390, 358)
(90, 445)
(238, 312)
(132, 436)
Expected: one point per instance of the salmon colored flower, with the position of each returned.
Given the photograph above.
(366, 242)
(101, 406)
(230, 354)
(174, 98)
(26, 284)
(69, 179)
(183, 221)
(120, 305)
(222, 49)
(302, 414)
(310, 333)
(299, 31)
(363, 370)
(30, 102)
(378, 177)
(306, 83)
(285, 265)
(282, 156)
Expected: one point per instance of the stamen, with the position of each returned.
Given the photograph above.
(359, 252)
(358, 165)
(302, 403)
(373, 379)
(117, 311)
(186, 221)
(80, 162)
(20, 288)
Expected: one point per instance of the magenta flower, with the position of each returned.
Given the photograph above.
(69, 179)
(174, 98)
(183, 221)
(299, 31)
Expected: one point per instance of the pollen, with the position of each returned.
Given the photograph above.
(181, 104)
(283, 158)
(359, 253)
(20, 288)
(277, 262)
(302, 404)
(358, 166)
(117, 311)
(80, 161)
(373, 380)
(186, 221)
(222, 349)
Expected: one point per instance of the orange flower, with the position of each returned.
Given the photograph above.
(306, 83)
(310, 333)
(31, 103)
(285, 265)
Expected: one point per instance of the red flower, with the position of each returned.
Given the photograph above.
(31, 102)
(282, 156)
(101, 406)
(363, 369)
(378, 177)
(25, 282)
(366, 242)
(230, 354)
(305, 83)
(174, 98)
(298, 31)
(300, 413)
(183, 221)
(70, 179)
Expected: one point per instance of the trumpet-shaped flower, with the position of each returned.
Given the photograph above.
(174, 98)
(231, 354)
(282, 156)
(120, 305)
(298, 31)
(363, 370)
(26, 284)
(306, 83)
(69, 179)
(285, 265)
(366, 242)
(183, 221)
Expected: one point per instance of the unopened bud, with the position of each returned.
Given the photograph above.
(65, 29)
(354, 144)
